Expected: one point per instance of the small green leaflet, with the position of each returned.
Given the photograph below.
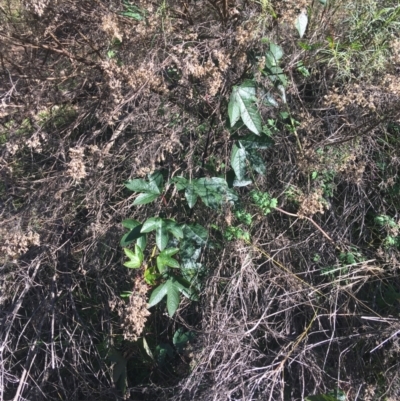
(244, 153)
(194, 239)
(181, 338)
(214, 191)
(301, 23)
(242, 105)
(133, 234)
(276, 52)
(132, 11)
(136, 258)
(149, 190)
(273, 71)
(162, 227)
(171, 288)
(164, 259)
(238, 161)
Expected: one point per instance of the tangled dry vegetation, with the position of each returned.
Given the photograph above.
(91, 97)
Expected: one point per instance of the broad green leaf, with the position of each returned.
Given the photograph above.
(142, 242)
(156, 179)
(233, 109)
(136, 258)
(257, 163)
(164, 259)
(151, 224)
(169, 252)
(191, 195)
(255, 142)
(158, 294)
(214, 192)
(144, 198)
(132, 15)
(276, 51)
(195, 233)
(132, 235)
(301, 24)
(181, 338)
(174, 228)
(185, 287)
(276, 75)
(140, 185)
(162, 237)
(180, 183)
(323, 2)
(150, 276)
(162, 228)
(137, 185)
(173, 297)
(130, 223)
(243, 101)
(238, 161)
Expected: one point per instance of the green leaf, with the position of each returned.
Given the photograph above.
(150, 276)
(156, 178)
(323, 2)
(301, 24)
(140, 185)
(174, 228)
(185, 288)
(149, 190)
(133, 234)
(276, 52)
(196, 233)
(238, 161)
(180, 183)
(276, 75)
(136, 258)
(191, 195)
(173, 297)
(162, 228)
(144, 198)
(142, 242)
(214, 192)
(233, 109)
(170, 252)
(257, 163)
(181, 338)
(242, 102)
(151, 224)
(130, 223)
(162, 237)
(255, 142)
(158, 294)
(164, 259)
